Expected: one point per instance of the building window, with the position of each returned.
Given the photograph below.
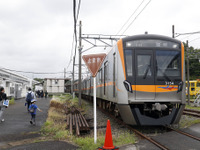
(56, 81)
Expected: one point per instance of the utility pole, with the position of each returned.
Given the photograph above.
(73, 78)
(80, 48)
(64, 73)
(188, 73)
(72, 84)
(172, 31)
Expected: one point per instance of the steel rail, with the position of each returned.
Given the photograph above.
(191, 112)
(184, 133)
(135, 131)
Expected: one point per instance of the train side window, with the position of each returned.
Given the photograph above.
(100, 76)
(91, 79)
(129, 63)
(105, 75)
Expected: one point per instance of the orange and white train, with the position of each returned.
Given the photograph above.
(142, 78)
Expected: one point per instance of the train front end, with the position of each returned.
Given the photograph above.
(154, 77)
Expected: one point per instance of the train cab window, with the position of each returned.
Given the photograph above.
(168, 63)
(129, 63)
(143, 65)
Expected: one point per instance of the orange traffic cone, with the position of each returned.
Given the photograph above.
(108, 144)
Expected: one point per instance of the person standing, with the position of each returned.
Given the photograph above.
(3, 97)
(42, 94)
(32, 109)
(29, 97)
(46, 94)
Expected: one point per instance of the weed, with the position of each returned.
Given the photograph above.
(39, 140)
(184, 123)
(55, 126)
(192, 107)
(12, 101)
(60, 135)
(87, 143)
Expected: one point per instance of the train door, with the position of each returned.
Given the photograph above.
(105, 79)
(145, 81)
(114, 61)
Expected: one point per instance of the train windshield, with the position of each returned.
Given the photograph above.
(168, 63)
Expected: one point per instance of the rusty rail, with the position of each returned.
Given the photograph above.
(185, 133)
(192, 112)
(76, 121)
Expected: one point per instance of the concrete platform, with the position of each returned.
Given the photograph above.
(17, 128)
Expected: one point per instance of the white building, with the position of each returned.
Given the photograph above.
(15, 85)
(55, 85)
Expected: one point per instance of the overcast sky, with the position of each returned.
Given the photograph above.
(36, 35)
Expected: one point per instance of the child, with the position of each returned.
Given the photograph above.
(32, 109)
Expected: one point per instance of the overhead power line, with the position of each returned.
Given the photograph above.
(31, 72)
(194, 39)
(75, 33)
(76, 14)
(136, 17)
(79, 5)
(75, 17)
(189, 33)
(130, 17)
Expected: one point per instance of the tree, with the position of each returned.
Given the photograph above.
(194, 62)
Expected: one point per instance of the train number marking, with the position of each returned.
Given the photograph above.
(169, 83)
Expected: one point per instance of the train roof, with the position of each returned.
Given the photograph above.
(150, 36)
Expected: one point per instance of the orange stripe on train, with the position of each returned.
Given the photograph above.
(142, 88)
(155, 88)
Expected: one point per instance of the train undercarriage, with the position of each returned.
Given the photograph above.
(143, 114)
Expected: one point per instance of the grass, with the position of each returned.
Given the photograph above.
(55, 126)
(184, 123)
(12, 101)
(192, 107)
(39, 140)
(87, 143)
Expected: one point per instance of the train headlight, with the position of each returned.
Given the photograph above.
(128, 86)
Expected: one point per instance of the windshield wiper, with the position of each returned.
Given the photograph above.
(146, 72)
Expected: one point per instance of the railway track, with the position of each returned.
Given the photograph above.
(140, 134)
(184, 133)
(192, 112)
(151, 140)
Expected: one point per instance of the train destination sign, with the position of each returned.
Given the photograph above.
(93, 62)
